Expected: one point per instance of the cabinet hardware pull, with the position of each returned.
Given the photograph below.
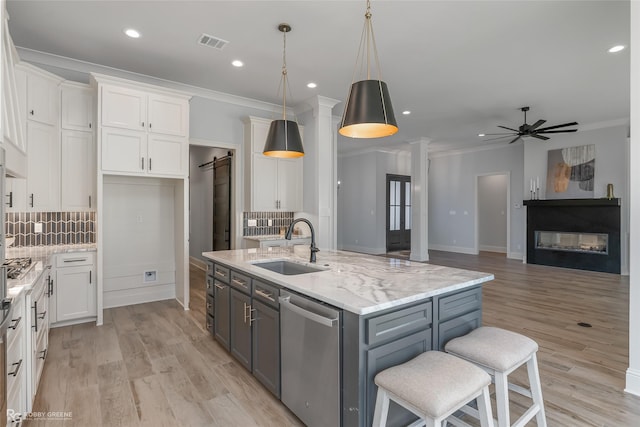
(264, 294)
(252, 319)
(75, 259)
(219, 286)
(247, 316)
(44, 354)
(89, 125)
(35, 315)
(142, 124)
(143, 163)
(221, 273)
(89, 201)
(17, 322)
(31, 112)
(208, 306)
(15, 371)
(50, 280)
(31, 197)
(240, 283)
(149, 125)
(43, 315)
(149, 163)
(90, 281)
(10, 196)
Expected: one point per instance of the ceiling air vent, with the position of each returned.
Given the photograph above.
(214, 42)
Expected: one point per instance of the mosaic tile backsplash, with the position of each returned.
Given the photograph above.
(278, 220)
(58, 228)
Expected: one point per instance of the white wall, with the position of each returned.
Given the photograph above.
(492, 213)
(201, 199)
(362, 198)
(452, 186)
(139, 236)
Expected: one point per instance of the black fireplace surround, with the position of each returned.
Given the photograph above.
(575, 216)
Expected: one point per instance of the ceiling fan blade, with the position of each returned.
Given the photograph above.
(557, 131)
(504, 127)
(544, 138)
(536, 124)
(514, 140)
(510, 133)
(558, 126)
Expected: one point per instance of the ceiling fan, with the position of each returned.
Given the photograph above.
(533, 130)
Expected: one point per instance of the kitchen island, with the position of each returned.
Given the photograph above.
(390, 310)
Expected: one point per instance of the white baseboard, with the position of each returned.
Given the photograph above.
(198, 263)
(364, 249)
(489, 248)
(458, 249)
(73, 322)
(633, 382)
(124, 297)
(516, 255)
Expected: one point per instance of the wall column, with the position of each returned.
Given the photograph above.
(633, 372)
(419, 200)
(321, 177)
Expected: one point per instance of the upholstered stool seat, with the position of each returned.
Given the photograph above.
(500, 352)
(433, 386)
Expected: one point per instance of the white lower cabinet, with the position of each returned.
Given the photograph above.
(16, 363)
(37, 339)
(73, 288)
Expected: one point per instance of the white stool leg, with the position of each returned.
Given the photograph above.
(382, 408)
(484, 408)
(502, 399)
(536, 390)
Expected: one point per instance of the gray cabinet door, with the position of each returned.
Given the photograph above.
(240, 339)
(221, 319)
(266, 346)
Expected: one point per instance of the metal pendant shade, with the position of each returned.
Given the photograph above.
(368, 112)
(283, 139)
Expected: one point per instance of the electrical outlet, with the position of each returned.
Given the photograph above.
(150, 276)
(269, 222)
(37, 227)
(252, 222)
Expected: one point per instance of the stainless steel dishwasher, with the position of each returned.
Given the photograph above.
(310, 354)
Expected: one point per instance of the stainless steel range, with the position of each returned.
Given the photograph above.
(17, 267)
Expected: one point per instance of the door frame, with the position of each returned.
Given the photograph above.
(476, 243)
(403, 178)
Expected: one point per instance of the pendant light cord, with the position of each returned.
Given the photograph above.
(284, 75)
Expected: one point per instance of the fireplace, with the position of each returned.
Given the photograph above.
(574, 233)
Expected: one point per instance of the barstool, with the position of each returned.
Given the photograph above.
(500, 352)
(433, 386)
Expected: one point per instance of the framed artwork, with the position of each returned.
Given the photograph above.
(570, 172)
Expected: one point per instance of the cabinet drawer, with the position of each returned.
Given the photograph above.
(16, 364)
(15, 328)
(210, 285)
(209, 324)
(266, 293)
(221, 273)
(74, 259)
(240, 282)
(463, 302)
(458, 327)
(209, 268)
(400, 323)
(210, 306)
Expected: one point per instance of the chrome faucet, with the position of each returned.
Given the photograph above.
(314, 249)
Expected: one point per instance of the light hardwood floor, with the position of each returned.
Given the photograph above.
(155, 365)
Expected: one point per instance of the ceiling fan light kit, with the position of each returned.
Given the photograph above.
(283, 138)
(534, 130)
(368, 112)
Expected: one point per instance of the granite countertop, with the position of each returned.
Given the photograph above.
(355, 282)
(274, 237)
(15, 286)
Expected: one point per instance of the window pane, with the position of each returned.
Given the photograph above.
(407, 218)
(391, 218)
(407, 194)
(397, 200)
(396, 215)
(392, 192)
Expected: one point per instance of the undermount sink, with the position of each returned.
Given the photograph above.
(288, 268)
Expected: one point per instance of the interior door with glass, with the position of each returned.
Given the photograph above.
(398, 212)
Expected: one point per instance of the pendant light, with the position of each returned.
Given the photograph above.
(368, 112)
(283, 139)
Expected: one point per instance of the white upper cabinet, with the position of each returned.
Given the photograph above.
(76, 112)
(271, 184)
(42, 98)
(143, 131)
(78, 170)
(43, 167)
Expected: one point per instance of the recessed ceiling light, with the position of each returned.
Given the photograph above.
(481, 134)
(406, 112)
(132, 33)
(237, 63)
(312, 85)
(617, 48)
